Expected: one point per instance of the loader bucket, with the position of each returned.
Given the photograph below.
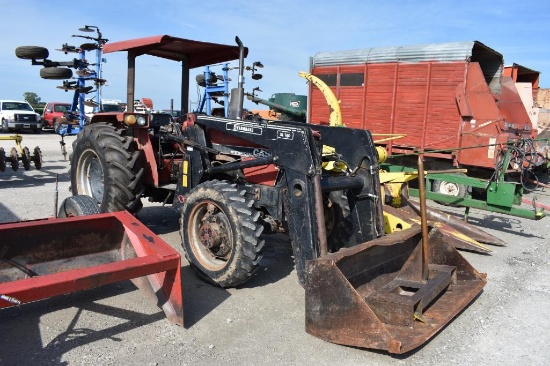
(44, 258)
(373, 295)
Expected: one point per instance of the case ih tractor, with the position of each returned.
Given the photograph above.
(233, 179)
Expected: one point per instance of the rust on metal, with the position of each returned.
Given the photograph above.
(65, 255)
(423, 217)
(372, 295)
(459, 225)
(319, 214)
(458, 238)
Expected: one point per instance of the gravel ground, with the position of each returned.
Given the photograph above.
(263, 321)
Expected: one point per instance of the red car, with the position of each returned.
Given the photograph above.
(54, 111)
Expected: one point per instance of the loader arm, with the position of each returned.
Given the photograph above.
(294, 149)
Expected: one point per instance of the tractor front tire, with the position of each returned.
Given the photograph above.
(78, 206)
(221, 234)
(105, 165)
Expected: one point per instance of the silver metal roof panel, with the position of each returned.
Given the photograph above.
(490, 61)
(442, 52)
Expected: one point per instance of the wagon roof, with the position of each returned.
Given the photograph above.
(521, 70)
(196, 53)
(441, 52)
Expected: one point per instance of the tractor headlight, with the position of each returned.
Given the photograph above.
(142, 121)
(130, 119)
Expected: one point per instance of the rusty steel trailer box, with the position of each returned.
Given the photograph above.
(446, 98)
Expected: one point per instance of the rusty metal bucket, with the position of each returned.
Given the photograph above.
(373, 295)
(392, 293)
(45, 258)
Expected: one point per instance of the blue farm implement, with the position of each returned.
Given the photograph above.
(75, 118)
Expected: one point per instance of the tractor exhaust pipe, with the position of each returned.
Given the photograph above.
(237, 94)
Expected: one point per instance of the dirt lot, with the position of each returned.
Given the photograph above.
(263, 321)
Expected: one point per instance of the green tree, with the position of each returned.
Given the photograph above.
(32, 98)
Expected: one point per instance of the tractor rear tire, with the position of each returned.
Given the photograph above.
(78, 206)
(55, 73)
(106, 165)
(221, 234)
(31, 52)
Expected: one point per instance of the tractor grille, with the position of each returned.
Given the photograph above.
(25, 117)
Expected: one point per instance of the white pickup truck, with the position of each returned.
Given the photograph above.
(18, 115)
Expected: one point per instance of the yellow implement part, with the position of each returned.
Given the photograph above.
(393, 223)
(396, 220)
(394, 185)
(402, 177)
(17, 138)
(419, 317)
(388, 136)
(396, 177)
(336, 165)
(458, 235)
(335, 118)
(394, 194)
(382, 154)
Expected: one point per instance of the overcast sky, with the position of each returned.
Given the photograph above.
(283, 35)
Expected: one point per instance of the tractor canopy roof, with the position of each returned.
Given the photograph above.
(196, 53)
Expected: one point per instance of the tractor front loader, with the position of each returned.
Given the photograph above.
(363, 288)
(234, 179)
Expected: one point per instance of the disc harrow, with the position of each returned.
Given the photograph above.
(19, 154)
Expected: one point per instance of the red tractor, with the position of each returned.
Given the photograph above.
(230, 177)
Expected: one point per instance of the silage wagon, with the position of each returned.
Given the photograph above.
(450, 101)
